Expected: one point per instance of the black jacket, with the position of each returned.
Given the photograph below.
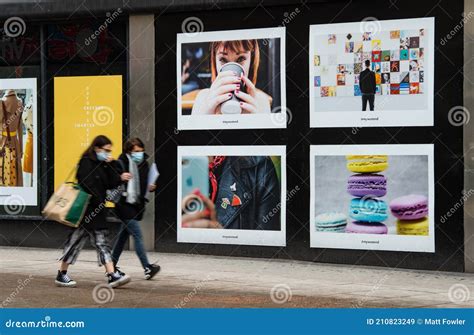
(96, 177)
(257, 186)
(124, 210)
(367, 82)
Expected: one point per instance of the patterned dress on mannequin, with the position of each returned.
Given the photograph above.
(11, 145)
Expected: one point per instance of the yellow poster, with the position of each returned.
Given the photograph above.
(84, 107)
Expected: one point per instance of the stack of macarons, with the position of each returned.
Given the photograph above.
(412, 214)
(367, 185)
(331, 222)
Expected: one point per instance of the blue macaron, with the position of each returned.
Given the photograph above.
(331, 222)
(368, 210)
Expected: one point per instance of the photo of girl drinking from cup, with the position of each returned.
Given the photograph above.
(234, 69)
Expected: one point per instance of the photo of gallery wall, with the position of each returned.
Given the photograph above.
(372, 73)
(232, 195)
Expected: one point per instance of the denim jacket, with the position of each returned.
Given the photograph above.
(248, 194)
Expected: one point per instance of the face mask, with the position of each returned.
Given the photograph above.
(137, 157)
(102, 156)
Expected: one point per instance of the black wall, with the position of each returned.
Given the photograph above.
(298, 137)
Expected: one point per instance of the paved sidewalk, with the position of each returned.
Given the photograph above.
(27, 280)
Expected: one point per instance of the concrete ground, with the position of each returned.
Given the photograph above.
(27, 280)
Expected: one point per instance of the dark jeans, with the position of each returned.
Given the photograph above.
(130, 227)
(370, 98)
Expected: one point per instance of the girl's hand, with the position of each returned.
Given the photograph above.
(126, 176)
(221, 90)
(249, 101)
(152, 188)
(200, 219)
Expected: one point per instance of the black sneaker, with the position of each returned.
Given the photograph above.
(151, 270)
(63, 280)
(117, 270)
(116, 280)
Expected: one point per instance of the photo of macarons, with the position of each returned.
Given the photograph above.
(362, 185)
(387, 199)
(331, 222)
(409, 207)
(384, 193)
(367, 163)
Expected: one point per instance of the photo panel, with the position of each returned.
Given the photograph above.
(232, 195)
(392, 63)
(232, 79)
(19, 147)
(372, 197)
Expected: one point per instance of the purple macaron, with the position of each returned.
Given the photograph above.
(358, 227)
(409, 207)
(367, 184)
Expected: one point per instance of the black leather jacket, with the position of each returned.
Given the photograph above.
(257, 186)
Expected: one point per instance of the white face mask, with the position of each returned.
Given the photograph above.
(137, 157)
(103, 156)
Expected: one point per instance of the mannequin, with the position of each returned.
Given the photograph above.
(11, 146)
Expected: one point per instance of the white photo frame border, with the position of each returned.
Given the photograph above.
(392, 118)
(233, 236)
(23, 195)
(408, 243)
(239, 121)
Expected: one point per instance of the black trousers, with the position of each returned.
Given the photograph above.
(370, 98)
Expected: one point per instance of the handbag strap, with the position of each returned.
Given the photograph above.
(70, 174)
(5, 119)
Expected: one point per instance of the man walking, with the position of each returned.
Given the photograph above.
(367, 86)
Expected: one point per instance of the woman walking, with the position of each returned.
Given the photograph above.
(96, 173)
(131, 206)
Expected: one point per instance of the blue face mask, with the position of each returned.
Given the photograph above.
(137, 157)
(103, 156)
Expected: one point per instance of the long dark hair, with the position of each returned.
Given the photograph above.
(128, 146)
(97, 142)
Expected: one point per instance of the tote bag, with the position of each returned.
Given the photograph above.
(68, 204)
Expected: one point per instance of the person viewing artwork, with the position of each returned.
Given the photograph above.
(227, 83)
(230, 192)
(367, 87)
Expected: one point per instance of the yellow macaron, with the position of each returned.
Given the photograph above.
(367, 163)
(413, 227)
